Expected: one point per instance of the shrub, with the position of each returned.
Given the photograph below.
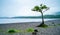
(30, 30)
(12, 31)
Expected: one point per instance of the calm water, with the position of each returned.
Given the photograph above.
(22, 20)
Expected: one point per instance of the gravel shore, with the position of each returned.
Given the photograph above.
(22, 26)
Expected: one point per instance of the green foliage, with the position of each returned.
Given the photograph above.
(44, 26)
(18, 30)
(59, 24)
(36, 8)
(14, 31)
(40, 8)
(30, 30)
(11, 31)
(43, 7)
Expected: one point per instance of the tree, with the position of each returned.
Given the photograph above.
(42, 8)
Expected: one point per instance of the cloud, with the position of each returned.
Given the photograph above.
(23, 7)
(26, 11)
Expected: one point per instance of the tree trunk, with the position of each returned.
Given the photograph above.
(42, 21)
(42, 18)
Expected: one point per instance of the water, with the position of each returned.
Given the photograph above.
(21, 20)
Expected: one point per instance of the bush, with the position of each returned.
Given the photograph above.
(30, 30)
(11, 31)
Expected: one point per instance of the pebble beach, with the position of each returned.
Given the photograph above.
(25, 25)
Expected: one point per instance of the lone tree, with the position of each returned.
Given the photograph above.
(42, 8)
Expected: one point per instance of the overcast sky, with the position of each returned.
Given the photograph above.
(10, 8)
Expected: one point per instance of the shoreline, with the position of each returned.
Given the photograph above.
(6, 21)
(26, 25)
(31, 22)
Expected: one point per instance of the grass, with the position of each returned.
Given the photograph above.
(1, 30)
(44, 26)
(30, 30)
(54, 26)
(14, 31)
(58, 24)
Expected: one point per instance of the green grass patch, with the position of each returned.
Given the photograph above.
(54, 26)
(30, 30)
(13, 31)
(17, 31)
(58, 24)
(44, 26)
(51, 26)
(1, 30)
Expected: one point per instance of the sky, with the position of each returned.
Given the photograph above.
(11, 8)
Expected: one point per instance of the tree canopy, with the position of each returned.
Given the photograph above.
(40, 8)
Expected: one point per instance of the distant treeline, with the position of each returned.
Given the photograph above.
(45, 16)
